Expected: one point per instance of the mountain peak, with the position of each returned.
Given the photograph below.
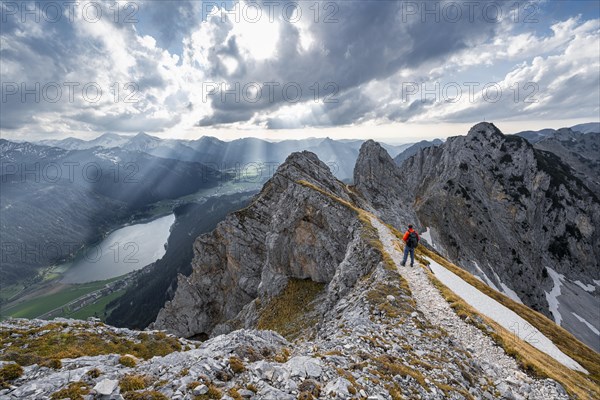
(486, 130)
(372, 148)
(303, 157)
(106, 135)
(306, 165)
(209, 139)
(144, 135)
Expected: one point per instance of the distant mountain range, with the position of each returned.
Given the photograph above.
(340, 155)
(536, 136)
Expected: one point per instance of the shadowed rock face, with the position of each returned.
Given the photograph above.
(382, 185)
(581, 151)
(414, 149)
(288, 231)
(495, 201)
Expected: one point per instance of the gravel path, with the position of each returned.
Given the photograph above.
(510, 381)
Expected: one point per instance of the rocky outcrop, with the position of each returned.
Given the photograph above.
(289, 230)
(382, 186)
(503, 210)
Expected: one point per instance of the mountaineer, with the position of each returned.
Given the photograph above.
(411, 238)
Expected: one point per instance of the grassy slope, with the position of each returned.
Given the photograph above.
(291, 312)
(46, 345)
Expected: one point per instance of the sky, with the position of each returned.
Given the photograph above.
(388, 70)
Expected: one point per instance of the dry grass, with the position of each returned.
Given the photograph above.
(234, 394)
(132, 382)
(94, 373)
(127, 361)
(291, 312)
(8, 373)
(350, 378)
(395, 391)
(447, 389)
(377, 297)
(388, 366)
(213, 393)
(237, 365)
(75, 391)
(251, 387)
(531, 359)
(310, 388)
(145, 395)
(331, 196)
(47, 349)
(283, 356)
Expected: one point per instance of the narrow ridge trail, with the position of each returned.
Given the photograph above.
(513, 383)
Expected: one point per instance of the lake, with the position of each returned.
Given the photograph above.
(124, 250)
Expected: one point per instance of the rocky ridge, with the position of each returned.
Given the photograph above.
(485, 185)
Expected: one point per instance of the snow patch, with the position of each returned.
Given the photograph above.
(427, 236)
(488, 281)
(581, 319)
(502, 315)
(552, 297)
(510, 293)
(506, 290)
(109, 157)
(588, 288)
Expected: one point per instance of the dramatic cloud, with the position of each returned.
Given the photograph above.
(171, 67)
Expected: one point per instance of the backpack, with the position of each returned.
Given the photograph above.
(413, 240)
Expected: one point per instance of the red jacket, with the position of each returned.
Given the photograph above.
(405, 237)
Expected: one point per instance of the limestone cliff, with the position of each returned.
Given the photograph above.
(288, 231)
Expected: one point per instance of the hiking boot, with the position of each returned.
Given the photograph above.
(403, 264)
